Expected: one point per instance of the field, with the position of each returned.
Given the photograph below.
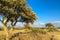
(33, 34)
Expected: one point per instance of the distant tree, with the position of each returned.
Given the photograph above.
(49, 25)
(15, 11)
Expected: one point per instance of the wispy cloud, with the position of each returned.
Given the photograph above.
(38, 24)
(42, 24)
(56, 22)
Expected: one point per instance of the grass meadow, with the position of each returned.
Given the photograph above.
(33, 34)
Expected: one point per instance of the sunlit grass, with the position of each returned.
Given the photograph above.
(32, 34)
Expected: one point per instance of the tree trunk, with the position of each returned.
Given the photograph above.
(5, 30)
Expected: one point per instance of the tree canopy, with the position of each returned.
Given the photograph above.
(49, 25)
(16, 11)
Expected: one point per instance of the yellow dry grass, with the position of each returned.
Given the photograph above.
(35, 36)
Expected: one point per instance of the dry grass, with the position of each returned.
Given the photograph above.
(39, 34)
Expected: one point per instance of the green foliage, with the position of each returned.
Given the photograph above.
(49, 25)
(11, 10)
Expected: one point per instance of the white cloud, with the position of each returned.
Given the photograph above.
(0, 24)
(38, 24)
(56, 22)
(19, 24)
(42, 24)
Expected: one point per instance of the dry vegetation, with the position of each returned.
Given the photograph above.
(33, 34)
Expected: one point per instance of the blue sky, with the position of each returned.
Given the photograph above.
(46, 10)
